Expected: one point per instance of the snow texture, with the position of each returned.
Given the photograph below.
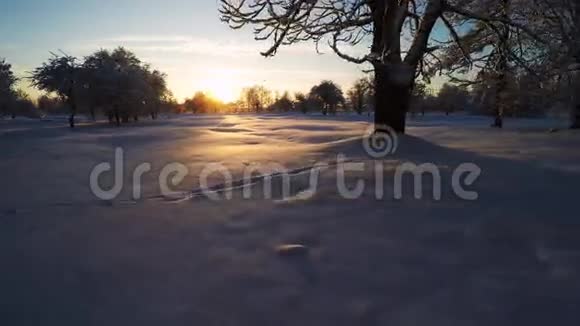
(512, 257)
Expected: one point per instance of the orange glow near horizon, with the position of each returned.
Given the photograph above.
(223, 85)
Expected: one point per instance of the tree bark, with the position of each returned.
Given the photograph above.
(500, 95)
(502, 82)
(576, 112)
(392, 98)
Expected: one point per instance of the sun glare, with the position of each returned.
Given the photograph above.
(223, 86)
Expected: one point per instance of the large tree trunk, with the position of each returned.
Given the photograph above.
(576, 65)
(392, 97)
(502, 82)
(576, 112)
(500, 98)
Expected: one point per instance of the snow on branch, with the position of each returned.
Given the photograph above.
(293, 21)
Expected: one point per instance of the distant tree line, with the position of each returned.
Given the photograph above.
(117, 85)
(326, 97)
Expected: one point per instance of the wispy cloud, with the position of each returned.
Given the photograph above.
(184, 44)
(198, 63)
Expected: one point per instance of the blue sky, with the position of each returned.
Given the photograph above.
(183, 38)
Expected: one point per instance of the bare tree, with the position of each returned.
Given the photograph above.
(537, 39)
(496, 47)
(358, 95)
(379, 24)
(560, 24)
(257, 98)
(352, 22)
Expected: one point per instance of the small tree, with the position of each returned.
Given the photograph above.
(257, 98)
(358, 95)
(301, 102)
(60, 75)
(156, 92)
(329, 94)
(283, 104)
(202, 103)
(7, 82)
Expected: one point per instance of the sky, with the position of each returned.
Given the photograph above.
(183, 38)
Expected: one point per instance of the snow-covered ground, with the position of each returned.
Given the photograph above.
(512, 257)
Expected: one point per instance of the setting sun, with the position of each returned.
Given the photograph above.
(223, 86)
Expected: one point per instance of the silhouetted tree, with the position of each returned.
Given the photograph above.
(202, 103)
(301, 102)
(24, 106)
(7, 93)
(60, 75)
(329, 94)
(380, 23)
(358, 95)
(558, 24)
(283, 104)
(488, 46)
(123, 86)
(257, 98)
(156, 95)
